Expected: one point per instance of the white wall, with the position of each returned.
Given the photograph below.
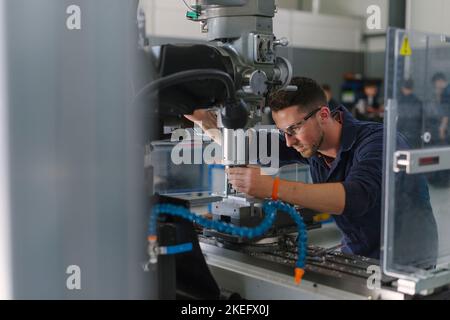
(307, 30)
(287, 4)
(356, 8)
(430, 16)
(166, 18)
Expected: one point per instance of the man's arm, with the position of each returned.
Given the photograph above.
(327, 197)
(360, 191)
(443, 128)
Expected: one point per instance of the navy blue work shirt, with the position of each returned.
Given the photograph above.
(358, 166)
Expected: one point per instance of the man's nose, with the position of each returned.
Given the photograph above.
(290, 140)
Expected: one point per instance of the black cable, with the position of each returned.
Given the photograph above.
(189, 7)
(185, 76)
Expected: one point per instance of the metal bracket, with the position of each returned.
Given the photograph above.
(263, 46)
(424, 285)
(422, 160)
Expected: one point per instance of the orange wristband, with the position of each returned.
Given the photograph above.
(276, 184)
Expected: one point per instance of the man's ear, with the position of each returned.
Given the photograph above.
(324, 113)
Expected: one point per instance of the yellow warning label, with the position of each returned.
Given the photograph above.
(405, 50)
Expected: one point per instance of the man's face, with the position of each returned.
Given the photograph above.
(370, 91)
(406, 91)
(307, 138)
(440, 85)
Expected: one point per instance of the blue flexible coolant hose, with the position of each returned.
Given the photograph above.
(270, 209)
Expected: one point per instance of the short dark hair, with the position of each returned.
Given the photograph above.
(369, 83)
(326, 87)
(438, 76)
(308, 96)
(407, 84)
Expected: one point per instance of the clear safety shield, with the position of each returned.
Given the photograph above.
(416, 191)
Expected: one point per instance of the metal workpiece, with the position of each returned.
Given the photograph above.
(233, 207)
(239, 210)
(245, 211)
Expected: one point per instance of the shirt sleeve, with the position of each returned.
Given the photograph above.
(363, 183)
(446, 96)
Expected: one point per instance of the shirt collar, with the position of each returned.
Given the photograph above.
(349, 129)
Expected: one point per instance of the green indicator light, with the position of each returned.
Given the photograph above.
(192, 15)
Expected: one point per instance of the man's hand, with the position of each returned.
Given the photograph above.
(443, 129)
(251, 181)
(442, 134)
(324, 197)
(207, 120)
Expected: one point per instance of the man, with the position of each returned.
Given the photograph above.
(442, 87)
(436, 115)
(368, 108)
(410, 113)
(345, 159)
(442, 101)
